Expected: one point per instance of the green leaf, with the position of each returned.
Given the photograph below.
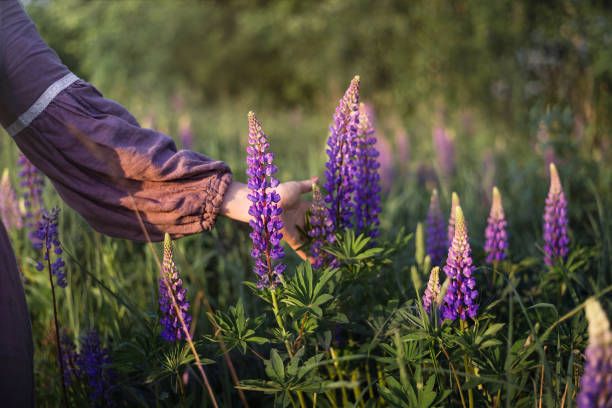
(274, 367)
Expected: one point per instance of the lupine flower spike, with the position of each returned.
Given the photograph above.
(496, 240)
(451, 221)
(460, 296)
(172, 327)
(596, 382)
(264, 209)
(9, 205)
(93, 360)
(367, 179)
(432, 292)
(322, 231)
(32, 182)
(341, 148)
(556, 242)
(47, 239)
(437, 243)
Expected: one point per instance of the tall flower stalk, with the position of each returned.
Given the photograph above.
(341, 149)
(432, 292)
(459, 300)
(451, 220)
(47, 239)
(264, 209)
(437, 243)
(90, 364)
(367, 180)
(596, 382)
(9, 205)
(178, 312)
(496, 239)
(322, 231)
(171, 284)
(556, 241)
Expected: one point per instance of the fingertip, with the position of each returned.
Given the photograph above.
(306, 186)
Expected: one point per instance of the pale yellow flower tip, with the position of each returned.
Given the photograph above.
(555, 182)
(599, 325)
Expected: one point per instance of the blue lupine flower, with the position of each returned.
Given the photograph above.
(93, 360)
(556, 241)
(496, 239)
(264, 209)
(172, 327)
(322, 231)
(47, 239)
(367, 180)
(460, 296)
(342, 145)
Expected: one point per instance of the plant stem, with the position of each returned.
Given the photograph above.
(345, 402)
(57, 336)
(284, 332)
(175, 305)
(280, 322)
(180, 383)
(468, 367)
(454, 374)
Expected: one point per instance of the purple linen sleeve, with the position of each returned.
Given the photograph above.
(108, 168)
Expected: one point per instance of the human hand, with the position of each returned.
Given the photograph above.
(294, 211)
(236, 206)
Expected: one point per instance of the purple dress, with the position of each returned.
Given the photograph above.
(101, 162)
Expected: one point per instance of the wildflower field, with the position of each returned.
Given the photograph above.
(460, 250)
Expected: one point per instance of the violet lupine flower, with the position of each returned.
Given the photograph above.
(9, 205)
(89, 364)
(93, 361)
(264, 209)
(596, 382)
(437, 244)
(451, 220)
(32, 181)
(366, 197)
(322, 231)
(172, 327)
(47, 239)
(342, 144)
(459, 298)
(432, 292)
(445, 150)
(70, 358)
(556, 242)
(496, 240)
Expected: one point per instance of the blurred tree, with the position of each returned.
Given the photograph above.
(501, 57)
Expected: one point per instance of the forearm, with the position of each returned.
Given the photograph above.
(235, 202)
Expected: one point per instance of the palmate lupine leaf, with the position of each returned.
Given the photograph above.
(295, 375)
(304, 291)
(237, 330)
(351, 248)
(405, 396)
